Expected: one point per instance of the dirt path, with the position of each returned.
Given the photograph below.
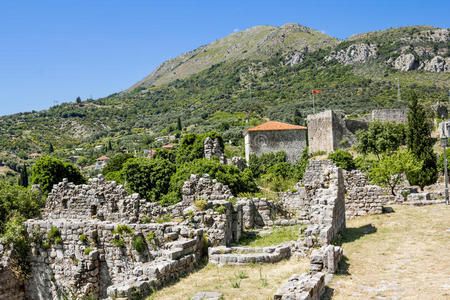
(402, 255)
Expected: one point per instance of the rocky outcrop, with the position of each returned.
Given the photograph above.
(294, 58)
(356, 53)
(406, 62)
(438, 64)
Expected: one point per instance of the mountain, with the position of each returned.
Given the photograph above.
(241, 80)
(259, 42)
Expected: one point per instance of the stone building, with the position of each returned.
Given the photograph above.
(273, 137)
(328, 131)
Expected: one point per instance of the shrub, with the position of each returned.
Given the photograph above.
(148, 177)
(123, 229)
(48, 171)
(19, 201)
(15, 237)
(53, 233)
(283, 169)
(200, 204)
(138, 244)
(220, 209)
(83, 238)
(342, 159)
(300, 165)
(260, 164)
(87, 250)
(118, 242)
(381, 137)
(116, 163)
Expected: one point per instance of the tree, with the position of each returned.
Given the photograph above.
(23, 179)
(260, 164)
(342, 159)
(148, 177)
(78, 100)
(116, 163)
(48, 171)
(381, 137)
(388, 171)
(419, 142)
(109, 145)
(17, 200)
(50, 148)
(179, 127)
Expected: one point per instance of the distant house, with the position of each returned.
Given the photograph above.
(102, 161)
(98, 147)
(273, 137)
(168, 147)
(34, 155)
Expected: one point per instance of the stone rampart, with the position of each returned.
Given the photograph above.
(94, 258)
(10, 286)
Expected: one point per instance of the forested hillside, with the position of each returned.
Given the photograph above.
(355, 75)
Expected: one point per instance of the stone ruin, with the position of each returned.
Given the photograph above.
(93, 257)
(212, 148)
(330, 130)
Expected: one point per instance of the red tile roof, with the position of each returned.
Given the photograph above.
(34, 155)
(103, 158)
(273, 125)
(167, 147)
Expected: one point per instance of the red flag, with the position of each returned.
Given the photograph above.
(318, 91)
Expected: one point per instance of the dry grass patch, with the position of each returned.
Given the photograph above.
(402, 255)
(235, 282)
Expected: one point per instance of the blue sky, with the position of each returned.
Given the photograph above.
(53, 51)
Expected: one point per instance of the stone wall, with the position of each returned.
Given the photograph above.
(293, 142)
(247, 255)
(390, 115)
(100, 266)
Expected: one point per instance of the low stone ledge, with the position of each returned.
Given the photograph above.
(246, 255)
(302, 287)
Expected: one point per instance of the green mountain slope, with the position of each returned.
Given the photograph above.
(356, 76)
(259, 42)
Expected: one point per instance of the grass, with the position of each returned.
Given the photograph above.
(402, 255)
(277, 236)
(235, 282)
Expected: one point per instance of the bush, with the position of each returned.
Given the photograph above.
(118, 242)
(123, 229)
(440, 163)
(83, 238)
(300, 165)
(87, 250)
(15, 237)
(236, 180)
(260, 164)
(283, 169)
(148, 177)
(192, 146)
(48, 171)
(380, 138)
(116, 163)
(19, 201)
(138, 244)
(342, 159)
(200, 204)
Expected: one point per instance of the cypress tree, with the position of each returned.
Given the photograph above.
(50, 148)
(419, 142)
(179, 127)
(23, 179)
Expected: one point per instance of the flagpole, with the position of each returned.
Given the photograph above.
(314, 107)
